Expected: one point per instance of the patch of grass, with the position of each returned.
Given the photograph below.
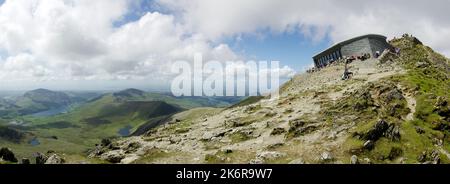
(236, 156)
(152, 155)
(238, 137)
(248, 101)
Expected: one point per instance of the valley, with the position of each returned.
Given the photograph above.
(74, 122)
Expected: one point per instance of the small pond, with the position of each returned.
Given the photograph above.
(34, 142)
(125, 131)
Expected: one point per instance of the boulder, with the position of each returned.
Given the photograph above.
(26, 161)
(256, 161)
(354, 159)
(55, 159)
(433, 157)
(106, 142)
(297, 161)
(367, 161)
(442, 107)
(207, 136)
(278, 131)
(420, 130)
(226, 151)
(133, 146)
(326, 156)
(436, 157)
(369, 145)
(394, 153)
(269, 155)
(376, 131)
(422, 157)
(421, 64)
(114, 156)
(7, 155)
(274, 145)
(392, 132)
(41, 158)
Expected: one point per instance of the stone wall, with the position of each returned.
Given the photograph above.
(378, 45)
(358, 47)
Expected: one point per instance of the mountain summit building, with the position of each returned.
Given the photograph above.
(366, 44)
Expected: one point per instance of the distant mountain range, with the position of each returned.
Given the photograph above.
(41, 100)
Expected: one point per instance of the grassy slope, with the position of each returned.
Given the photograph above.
(79, 136)
(427, 83)
(76, 139)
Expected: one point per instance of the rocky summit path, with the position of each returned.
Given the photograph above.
(259, 133)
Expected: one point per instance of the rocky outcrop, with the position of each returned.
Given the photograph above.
(432, 157)
(55, 159)
(114, 156)
(50, 158)
(7, 155)
(354, 159)
(278, 131)
(265, 156)
(376, 131)
(26, 161)
(392, 133)
(326, 157)
(380, 129)
(41, 158)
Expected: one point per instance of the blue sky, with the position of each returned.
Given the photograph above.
(291, 49)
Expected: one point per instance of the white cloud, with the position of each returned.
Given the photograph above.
(339, 19)
(74, 40)
(77, 40)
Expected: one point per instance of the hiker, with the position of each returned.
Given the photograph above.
(397, 50)
(377, 54)
(346, 74)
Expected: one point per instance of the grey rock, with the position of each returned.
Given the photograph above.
(436, 157)
(106, 142)
(207, 136)
(326, 156)
(41, 158)
(115, 156)
(376, 131)
(354, 160)
(369, 145)
(256, 161)
(278, 131)
(7, 155)
(55, 159)
(393, 132)
(297, 161)
(269, 155)
(422, 157)
(367, 161)
(420, 130)
(26, 161)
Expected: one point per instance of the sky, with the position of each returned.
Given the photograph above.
(111, 45)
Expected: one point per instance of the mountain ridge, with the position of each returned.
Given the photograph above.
(394, 109)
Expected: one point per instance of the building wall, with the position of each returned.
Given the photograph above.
(354, 47)
(378, 45)
(358, 47)
(328, 56)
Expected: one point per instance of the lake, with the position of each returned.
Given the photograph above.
(125, 131)
(52, 112)
(34, 142)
